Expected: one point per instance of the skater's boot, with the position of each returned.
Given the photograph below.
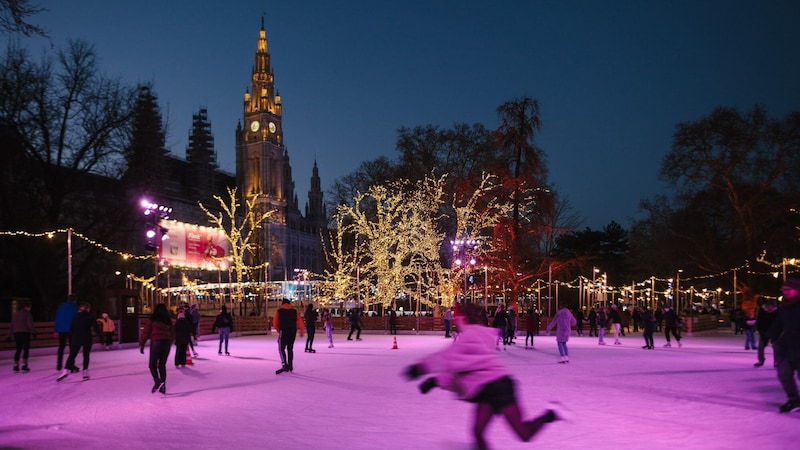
(681, 345)
(85, 374)
(25, 367)
(667, 345)
(427, 385)
(156, 385)
(163, 387)
(16, 367)
(64, 374)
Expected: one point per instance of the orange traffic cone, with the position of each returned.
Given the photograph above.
(189, 358)
(395, 347)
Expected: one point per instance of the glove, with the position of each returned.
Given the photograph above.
(141, 350)
(429, 384)
(414, 371)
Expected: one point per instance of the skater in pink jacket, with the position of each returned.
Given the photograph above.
(472, 369)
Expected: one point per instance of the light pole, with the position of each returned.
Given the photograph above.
(464, 245)
(154, 232)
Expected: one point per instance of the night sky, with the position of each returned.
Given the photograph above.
(613, 78)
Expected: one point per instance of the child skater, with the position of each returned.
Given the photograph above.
(471, 368)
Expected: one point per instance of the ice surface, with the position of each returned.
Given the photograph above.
(706, 395)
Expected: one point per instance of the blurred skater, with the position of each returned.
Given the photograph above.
(471, 368)
(786, 341)
(66, 312)
(764, 320)
(671, 325)
(648, 327)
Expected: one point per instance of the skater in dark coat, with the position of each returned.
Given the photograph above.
(310, 318)
(160, 331)
(471, 368)
(592, 316)
(80, 338)
(287, 322)
(671, 325)
(223, 323)
(786, 337)
(22, 330)
(183, 336)
(764, 320)
(648, 327)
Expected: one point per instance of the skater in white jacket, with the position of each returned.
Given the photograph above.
(472, 369)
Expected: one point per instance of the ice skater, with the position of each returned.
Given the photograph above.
(530, 326)
(66, 312)
(108, 330)
(785, 332)
(310, 318)
(601, 325)
(616, 322)
(160, 331)
(80, 338)
(327, 322)
(287, 323)
(223, 323)
(471, 368)
(563, 321)
(648, 327)
(22, 329)
(671, 326)
(183, 336)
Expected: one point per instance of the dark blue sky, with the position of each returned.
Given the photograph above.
(613, 78)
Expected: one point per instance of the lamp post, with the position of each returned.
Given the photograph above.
(154, 232)
(678, 290)
(465, 246)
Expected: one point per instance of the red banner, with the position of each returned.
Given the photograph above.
(193, 246)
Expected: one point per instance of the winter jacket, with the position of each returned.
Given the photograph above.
(310, 318)
(286, 318)
(80, 331)
(614, 316)
(601, 318)
(223, 320)
(183, 329)
(157, 331)
(66, 312)
(563, 321)
(648, 322)
(22, 322)
(467, 365)
(670, 318)
(107, 324)
(765, 319)
(785, 331)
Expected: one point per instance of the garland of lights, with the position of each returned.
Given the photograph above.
(793, 262)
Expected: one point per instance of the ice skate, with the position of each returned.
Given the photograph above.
(16, 367)
(155, 386)
(163, 387)
(85, 374)
(667, 345)
(681, 345)
(559, 412)
(790, 406)
(311, 350)
(759, 364)
(227, 354)
(195, 354)
(64, 374)
(281, 370)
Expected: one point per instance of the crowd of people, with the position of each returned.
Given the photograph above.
(75, 326)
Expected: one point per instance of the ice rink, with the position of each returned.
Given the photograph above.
(706, 395)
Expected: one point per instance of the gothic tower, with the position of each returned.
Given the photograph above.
(288, 242)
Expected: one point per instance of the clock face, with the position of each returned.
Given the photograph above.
(272, 127)
(254, 126)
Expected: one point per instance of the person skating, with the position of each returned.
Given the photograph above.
(530, 326)
(66, 312)
(648, 327)
(601, 324)
(764, 320)
(616, 322)
(80, 339)
(109, 328)
(223, 323)
(355, 324)
(592, 317)
(183, 336)
(471, 368)
(327, 322)
(310, 317)
(287, 322)
(671, 326)
(563, 321)
(22, 330)
(195, 313)
(785, 332)
(160, 331)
